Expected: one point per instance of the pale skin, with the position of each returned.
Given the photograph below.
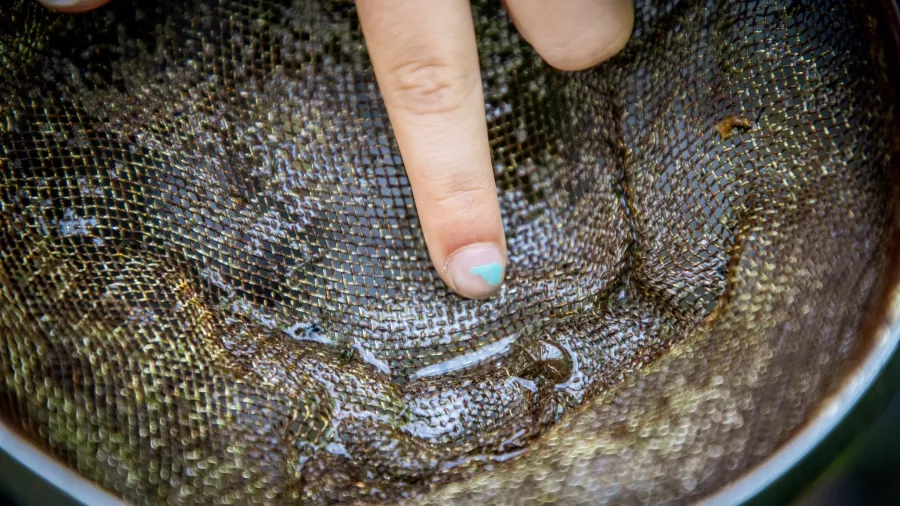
(427, 68)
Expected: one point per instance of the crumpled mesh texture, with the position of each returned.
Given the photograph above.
(214, 290)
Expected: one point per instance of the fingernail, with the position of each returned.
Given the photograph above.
(477, 270)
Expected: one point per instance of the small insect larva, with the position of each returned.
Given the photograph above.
(726, 126)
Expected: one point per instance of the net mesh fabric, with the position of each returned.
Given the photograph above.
(214, 289)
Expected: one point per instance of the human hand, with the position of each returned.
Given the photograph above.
(426, 63)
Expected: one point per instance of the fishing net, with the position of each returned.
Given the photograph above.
(214, 288)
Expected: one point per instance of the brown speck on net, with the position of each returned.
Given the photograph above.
(726, 126)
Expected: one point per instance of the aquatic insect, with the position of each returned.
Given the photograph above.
(726, 126)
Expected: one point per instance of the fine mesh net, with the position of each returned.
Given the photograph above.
(214, 289)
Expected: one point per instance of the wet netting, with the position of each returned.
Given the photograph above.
(214, 288)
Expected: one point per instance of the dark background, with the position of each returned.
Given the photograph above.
(868, 471)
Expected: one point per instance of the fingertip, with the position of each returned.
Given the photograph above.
(594, 51)
(465, 236)
(573, 35)
(594, 47)
(72, 6)
(476, 271)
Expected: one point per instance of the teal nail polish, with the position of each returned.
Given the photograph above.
(476, 270)
(492, 272)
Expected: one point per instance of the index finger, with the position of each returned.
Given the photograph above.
(73, 5)
(426, 64)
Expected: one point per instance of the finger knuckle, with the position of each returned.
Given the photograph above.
(459, 195)
(428, 87)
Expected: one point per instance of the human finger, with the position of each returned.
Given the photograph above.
(73, 6)
(426, 64)
(573, 34)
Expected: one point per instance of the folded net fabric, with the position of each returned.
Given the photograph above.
(214, 289)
